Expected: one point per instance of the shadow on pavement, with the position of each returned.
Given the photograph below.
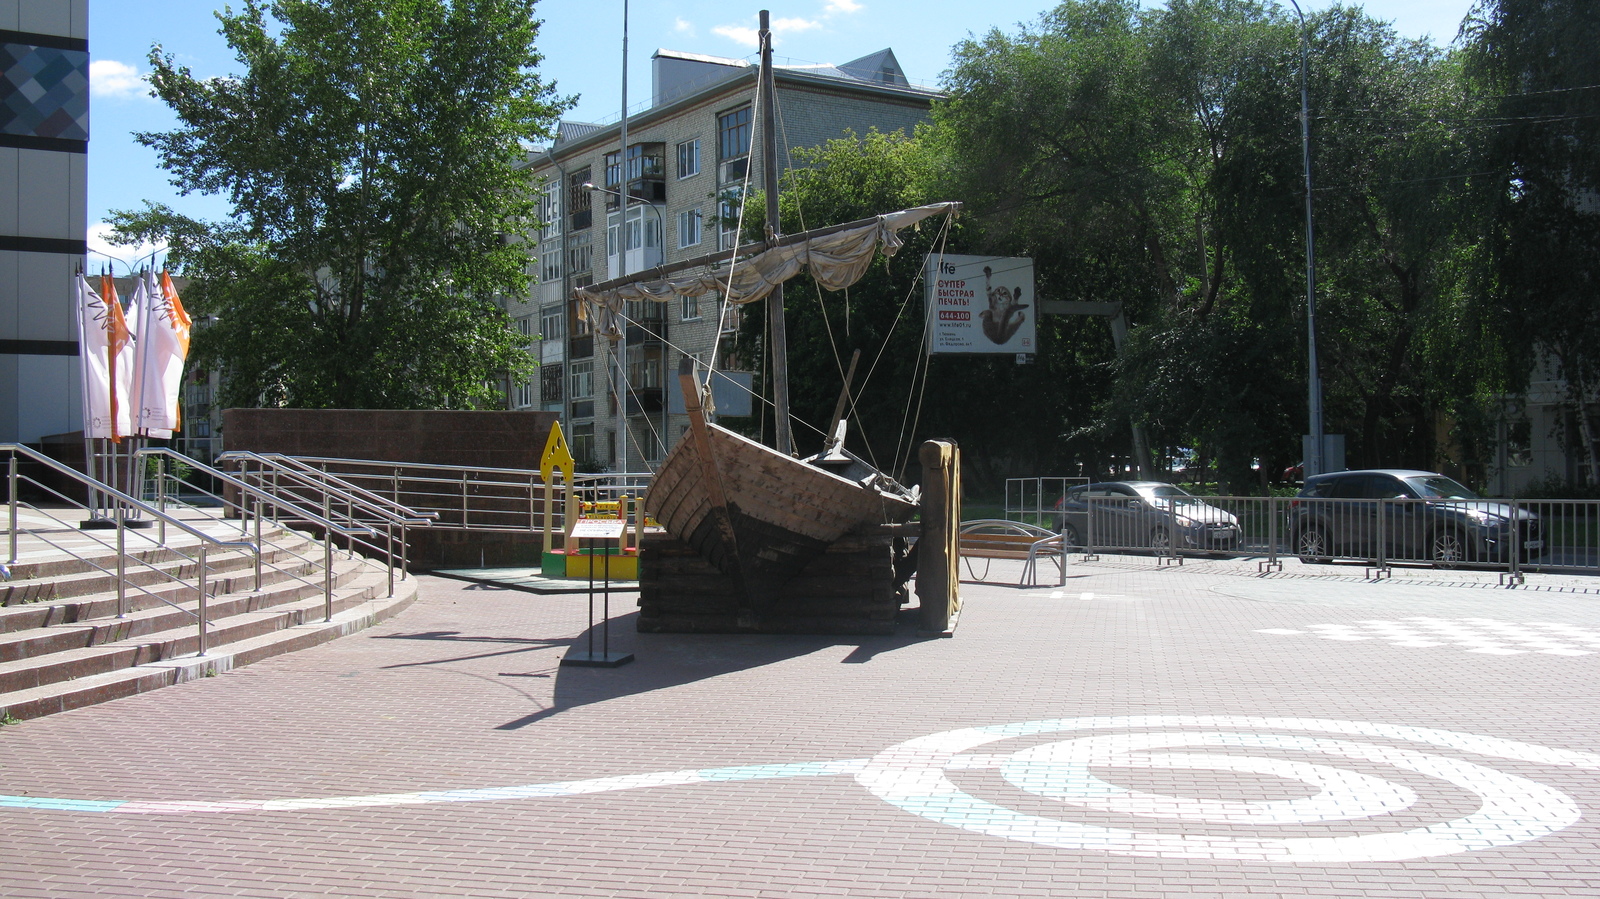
(662, 661)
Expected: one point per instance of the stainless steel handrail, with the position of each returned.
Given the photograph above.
(376, 503)
(132, 503)
(330, 488)
(459, 491)
(324, 520)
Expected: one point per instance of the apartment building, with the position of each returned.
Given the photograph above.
(688, 158)
(44, 141)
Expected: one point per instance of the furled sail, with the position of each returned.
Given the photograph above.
(836, 257)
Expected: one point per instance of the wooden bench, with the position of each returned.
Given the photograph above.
(992, 538)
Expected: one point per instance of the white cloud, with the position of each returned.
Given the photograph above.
(751, 37)
(124, 258)
(785, 26)
(115, 80)
(683, 27)
(739, 34)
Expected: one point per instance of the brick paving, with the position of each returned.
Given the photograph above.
(1188, 713)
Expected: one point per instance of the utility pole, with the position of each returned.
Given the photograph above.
(1314, 463)
(622, 261)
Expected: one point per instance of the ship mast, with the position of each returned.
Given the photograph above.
(776, 329)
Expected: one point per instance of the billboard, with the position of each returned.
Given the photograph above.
(981, 304)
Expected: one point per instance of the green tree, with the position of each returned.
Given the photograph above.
(1395, 228)
(1152, 157)
(1094, 141)
(370, 150)
(1535, 60)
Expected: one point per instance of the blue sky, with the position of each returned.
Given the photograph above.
(582, 43)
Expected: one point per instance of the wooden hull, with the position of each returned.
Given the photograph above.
(781, 512)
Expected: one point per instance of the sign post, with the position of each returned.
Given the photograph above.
(599, 530)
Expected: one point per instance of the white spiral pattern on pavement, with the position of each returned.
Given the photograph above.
(913, 776)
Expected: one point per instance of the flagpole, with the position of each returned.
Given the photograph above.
(87, 412)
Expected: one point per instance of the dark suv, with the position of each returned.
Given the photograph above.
(1403, 515)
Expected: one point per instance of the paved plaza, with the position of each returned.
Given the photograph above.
(1140, 731)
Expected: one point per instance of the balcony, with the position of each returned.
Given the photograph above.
(644, 400)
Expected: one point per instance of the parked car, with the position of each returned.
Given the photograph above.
(1144, 514)
(1413, 515)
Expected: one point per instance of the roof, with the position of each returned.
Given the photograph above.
(682, 78)
(1392, 472)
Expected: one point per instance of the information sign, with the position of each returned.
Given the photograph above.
(981, 304)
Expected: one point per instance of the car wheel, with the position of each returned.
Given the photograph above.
(1069, 536)
(1311, 545)
(1161, 541)
(1447, 549)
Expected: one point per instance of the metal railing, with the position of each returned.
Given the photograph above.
(120, 512)
(286, 477)
(1032, 500)
(474, 499)
(168, 477)
(1509, 536)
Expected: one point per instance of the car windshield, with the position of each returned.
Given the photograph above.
(1161, 491)
(1439, 487)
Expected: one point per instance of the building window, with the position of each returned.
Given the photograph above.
(524, 395)
(646, 161)
(689, 308)
(525, 328)
(579, 215)
(583, 446)
(648, 442)
(580, 256)
(733, 134)
(728, 203)
(689, 158)
(550, 211)
(552, 325)
(641, 230)
(614, 173)
(581, 379)
(550, 383)
(550, 266)
(644, 366)
(688, 228)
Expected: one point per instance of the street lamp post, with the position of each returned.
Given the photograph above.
(1314, 461)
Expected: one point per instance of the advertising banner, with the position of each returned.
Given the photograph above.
(981, 304)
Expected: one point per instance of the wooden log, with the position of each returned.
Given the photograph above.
(938, 577)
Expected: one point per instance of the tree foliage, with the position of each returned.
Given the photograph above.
(370, 150)
(1151, 157)
(1536, 63)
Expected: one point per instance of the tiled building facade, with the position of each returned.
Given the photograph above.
(44, 140)
(687, 157)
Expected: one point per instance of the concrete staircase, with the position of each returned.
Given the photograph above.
(62, 645)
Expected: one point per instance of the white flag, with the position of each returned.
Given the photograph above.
(103, 353)
(163, 335)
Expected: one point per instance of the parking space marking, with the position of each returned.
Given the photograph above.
(1487, 636)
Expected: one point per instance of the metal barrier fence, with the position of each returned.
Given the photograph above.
(478, 499)
(1511, 536)
(1033, 500)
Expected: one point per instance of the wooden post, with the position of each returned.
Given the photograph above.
(938, 550)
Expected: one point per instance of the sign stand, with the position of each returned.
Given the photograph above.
(601, 530)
